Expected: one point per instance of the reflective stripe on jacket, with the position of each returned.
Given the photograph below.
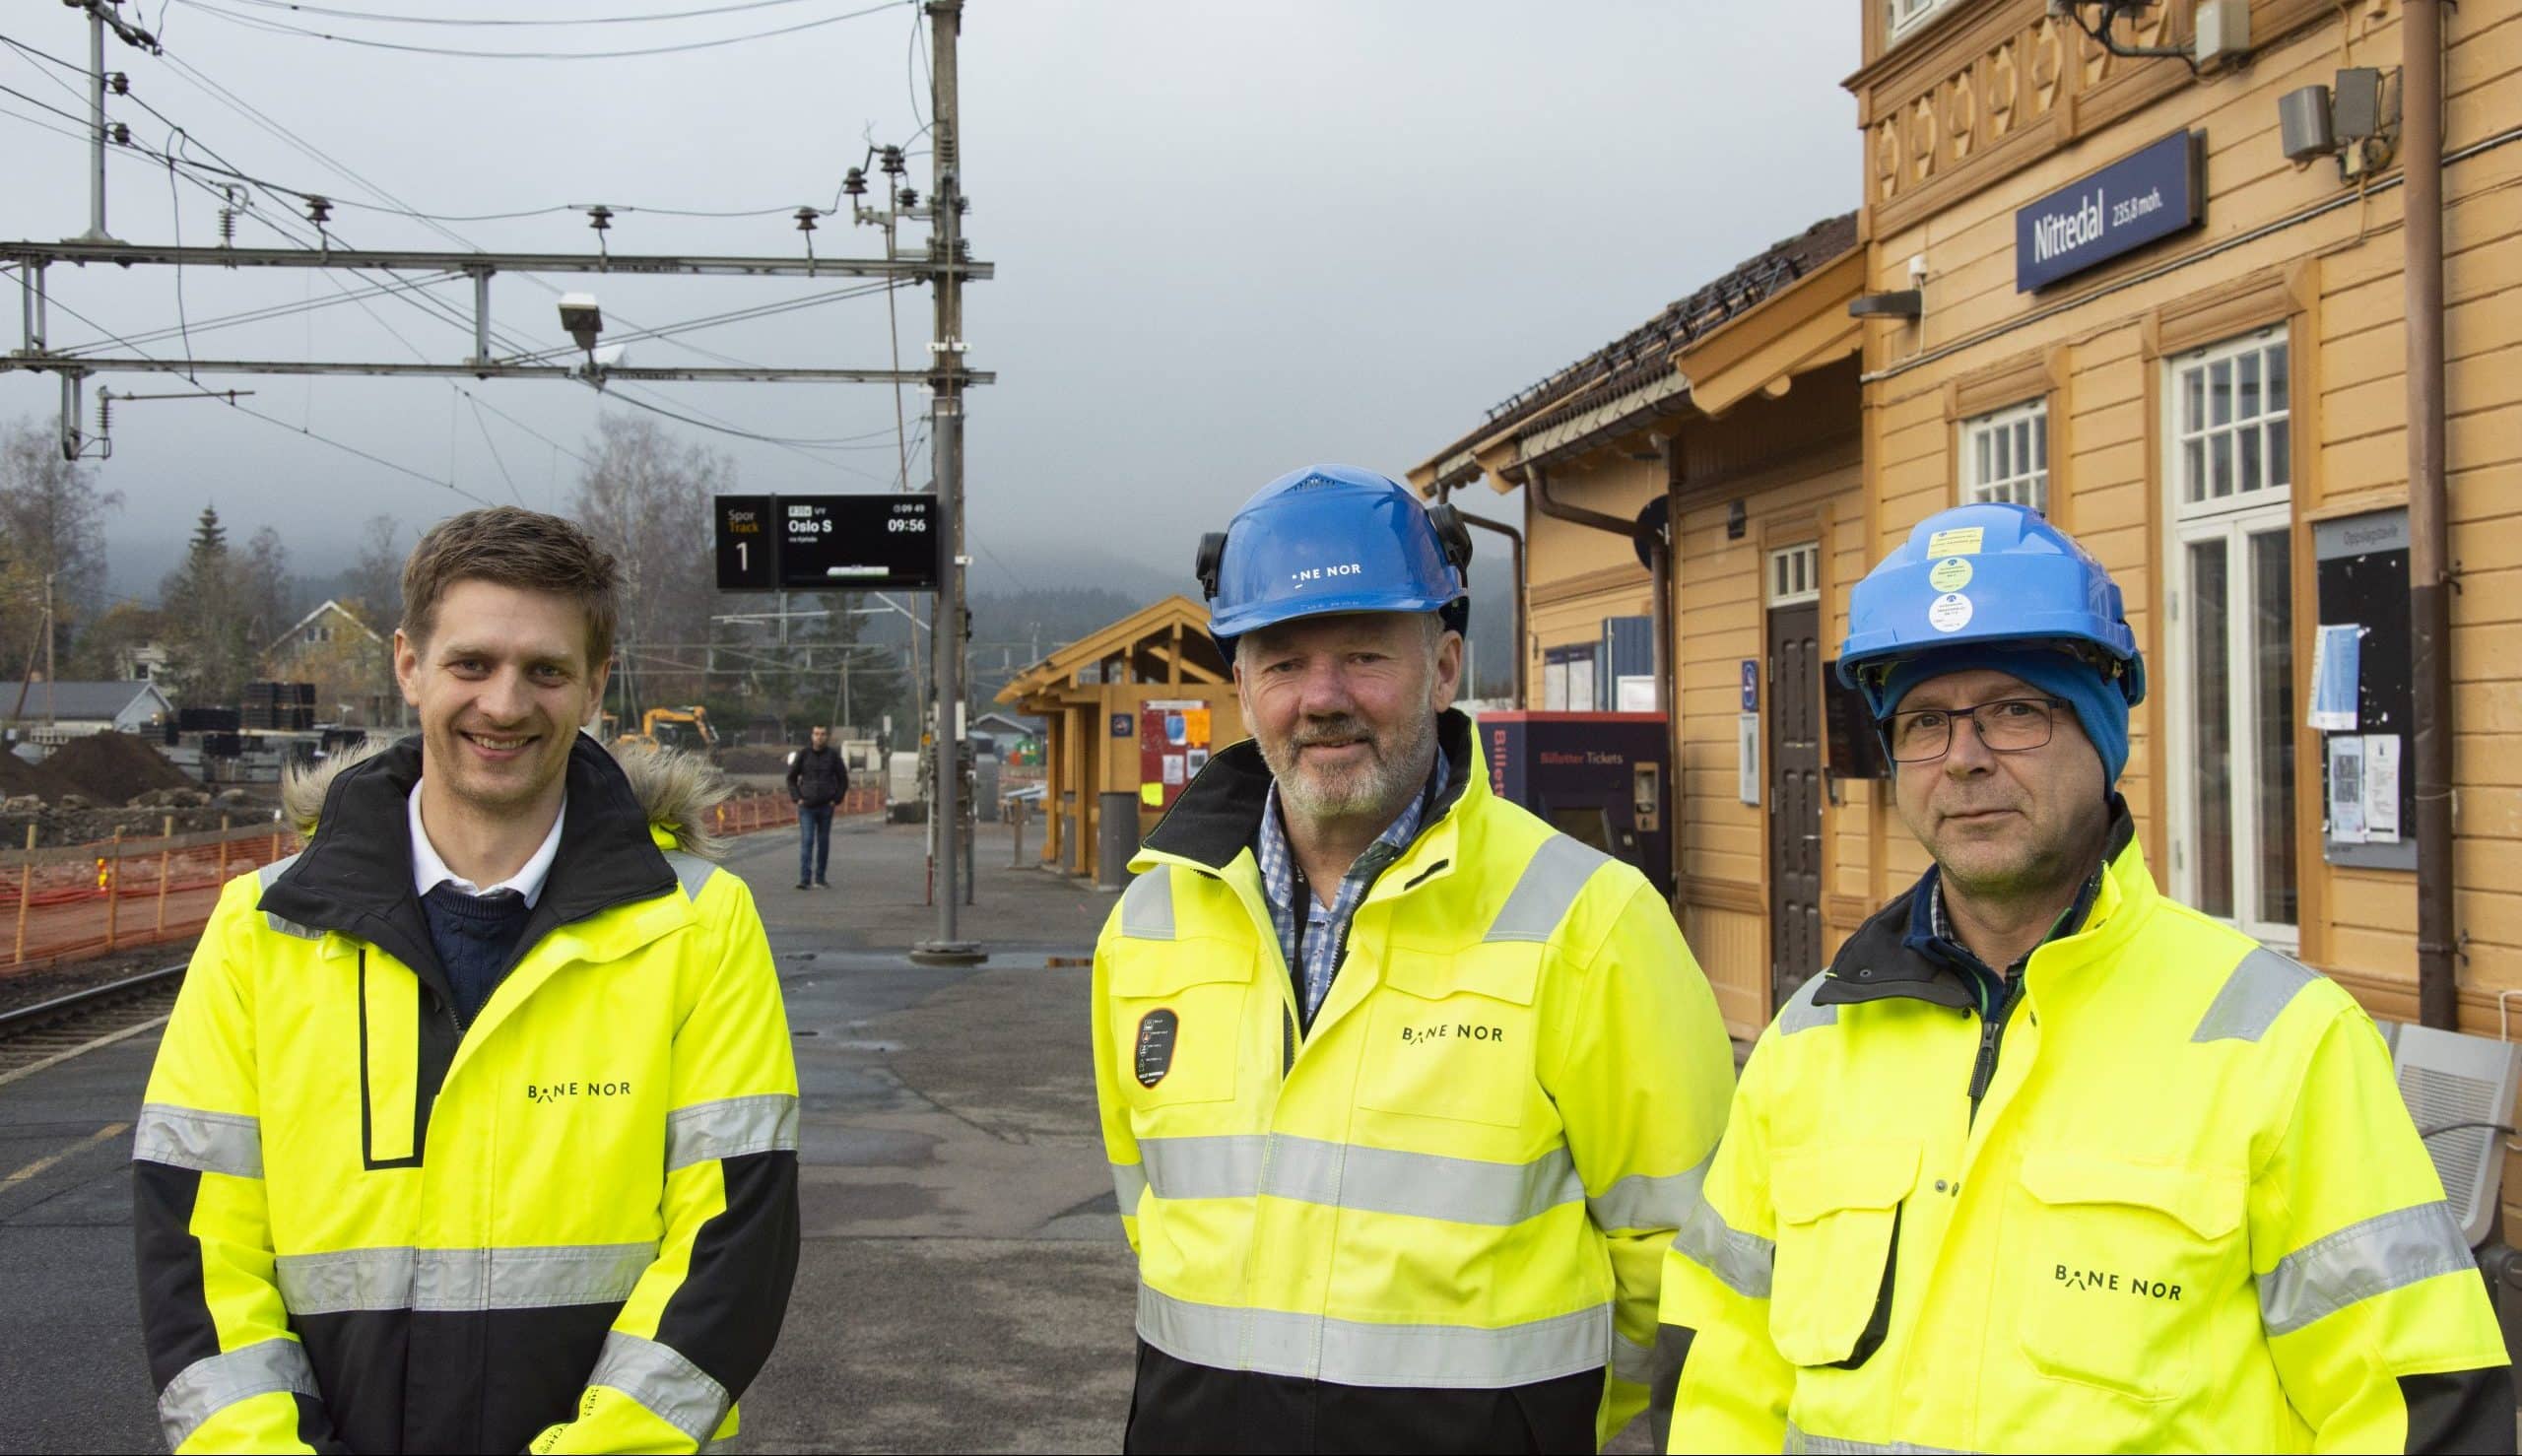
(571, 1225)
(2191, 1213)
(1462, 1179)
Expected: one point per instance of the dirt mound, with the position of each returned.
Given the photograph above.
(108, 769)
(18, 776)
(756, 757)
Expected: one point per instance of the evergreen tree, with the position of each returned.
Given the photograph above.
(210, 653)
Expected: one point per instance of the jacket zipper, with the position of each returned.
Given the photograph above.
(1992, 1035)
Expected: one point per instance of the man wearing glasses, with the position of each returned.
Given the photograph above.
(2046, 1161)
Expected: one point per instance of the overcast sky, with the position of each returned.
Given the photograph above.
(1231, 237)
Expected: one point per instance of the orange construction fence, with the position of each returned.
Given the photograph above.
(77, 902)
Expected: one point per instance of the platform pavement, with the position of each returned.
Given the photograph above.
(964, 1285)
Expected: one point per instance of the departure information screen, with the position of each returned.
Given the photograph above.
(827, 543)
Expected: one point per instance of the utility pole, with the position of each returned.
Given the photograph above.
(946, 461)
(96, 120)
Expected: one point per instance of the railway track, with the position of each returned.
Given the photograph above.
(33, 1037)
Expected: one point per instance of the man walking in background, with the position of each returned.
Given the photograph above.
(817, 780)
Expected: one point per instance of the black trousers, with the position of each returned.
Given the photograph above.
(1181, 1407)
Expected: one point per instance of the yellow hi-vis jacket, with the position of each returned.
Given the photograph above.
(2190, 1213)
(569, 1226)
(1459, 1182)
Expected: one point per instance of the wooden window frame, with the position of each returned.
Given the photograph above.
(2043, 376)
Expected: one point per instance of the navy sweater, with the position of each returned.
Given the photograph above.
(476, 938)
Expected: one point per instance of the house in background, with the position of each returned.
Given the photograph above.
(1690, 492)
(350, 664)
(56, 712)
(142, 662)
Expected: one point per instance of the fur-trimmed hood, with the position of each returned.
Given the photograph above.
(679, 790)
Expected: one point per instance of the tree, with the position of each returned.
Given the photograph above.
(52, 525)
(874, 685)
(374, 585)
(646, 499)
(211, 610)
(107, 634)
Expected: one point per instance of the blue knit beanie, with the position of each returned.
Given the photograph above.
(2099, 705)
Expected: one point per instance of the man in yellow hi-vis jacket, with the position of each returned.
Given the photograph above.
(2047, 1162)
(1403, 1092)
(475, 1126)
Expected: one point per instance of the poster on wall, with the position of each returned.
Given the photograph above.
(1173, 741)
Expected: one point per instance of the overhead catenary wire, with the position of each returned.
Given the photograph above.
(278, 28)
(338, 199)
(210, 85)
(414, 293)
(231, 402)
(515, 21)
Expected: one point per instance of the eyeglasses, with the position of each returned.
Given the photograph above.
(2009, 725)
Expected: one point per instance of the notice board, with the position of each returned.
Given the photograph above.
(2360, 567)
(1173, 746)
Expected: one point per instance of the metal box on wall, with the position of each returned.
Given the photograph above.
(1603, 778)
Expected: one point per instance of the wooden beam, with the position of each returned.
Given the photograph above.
(1179, 666)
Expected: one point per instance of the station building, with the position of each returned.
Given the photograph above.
(2096, 285)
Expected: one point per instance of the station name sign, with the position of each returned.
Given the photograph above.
(2150, 194)
(827, 543)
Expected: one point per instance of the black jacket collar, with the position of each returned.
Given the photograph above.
(1884, 960)
(1220, 814)
(356, 875)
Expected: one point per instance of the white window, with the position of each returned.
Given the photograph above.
(1907, 15)
(1567, 679)
(2005, 457)
(2229, 414)
(1795, 574)
(2231, 634)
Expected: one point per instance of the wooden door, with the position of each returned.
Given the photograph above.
(1795, 796)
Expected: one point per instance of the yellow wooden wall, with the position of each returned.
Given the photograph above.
(1578, 576)
(2335, 283)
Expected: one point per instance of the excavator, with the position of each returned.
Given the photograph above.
(695, 717)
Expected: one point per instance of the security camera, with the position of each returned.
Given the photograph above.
(581, 320)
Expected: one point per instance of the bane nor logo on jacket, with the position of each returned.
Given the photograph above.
(2117, 1282)
(552, 1092)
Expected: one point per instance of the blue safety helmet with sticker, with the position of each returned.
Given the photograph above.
(1990, 576)
(1333, 538)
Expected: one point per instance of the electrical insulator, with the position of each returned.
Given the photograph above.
(893, 161)
(105, 412)
(319, 210)
(600, 217)
(119, 84)
(228, 216)
(806, 219)
(855, 181)
(121, 134)
(909, 198)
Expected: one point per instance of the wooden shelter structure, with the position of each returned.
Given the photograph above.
(1133, 708)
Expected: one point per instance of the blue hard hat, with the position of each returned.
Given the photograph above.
(1991, 576)
(1333, 538)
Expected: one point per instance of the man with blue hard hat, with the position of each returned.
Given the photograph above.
(1404, 1091)
(2046, 1162)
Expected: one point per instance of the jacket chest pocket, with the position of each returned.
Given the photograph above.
(2121, 1260)
(1451, 1035)
(1177, 1010)
(1838, 1209)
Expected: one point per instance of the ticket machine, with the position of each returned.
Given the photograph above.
(1603, 778)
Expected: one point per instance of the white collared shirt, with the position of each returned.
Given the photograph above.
(430, 871)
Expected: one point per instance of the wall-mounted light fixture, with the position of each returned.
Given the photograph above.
(1905, 303)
